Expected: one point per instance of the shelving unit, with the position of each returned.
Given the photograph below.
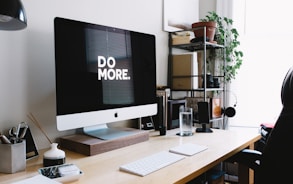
(202, 46)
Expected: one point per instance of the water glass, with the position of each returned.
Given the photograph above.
(185, 121)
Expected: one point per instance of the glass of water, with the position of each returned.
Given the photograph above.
(185, 121)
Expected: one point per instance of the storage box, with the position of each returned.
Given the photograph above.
(13, 157)
(185, 71)
(180, 39)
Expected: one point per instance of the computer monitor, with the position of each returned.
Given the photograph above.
(103, 74)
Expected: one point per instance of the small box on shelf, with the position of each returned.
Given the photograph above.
(177, 40)
(184, 72)
(183, 38)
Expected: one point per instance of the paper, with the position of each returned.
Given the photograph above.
(37, 180)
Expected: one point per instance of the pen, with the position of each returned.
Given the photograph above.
(17, 130)
(22, 134)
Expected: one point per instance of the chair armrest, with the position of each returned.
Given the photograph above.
(248, 157)
(251, 152)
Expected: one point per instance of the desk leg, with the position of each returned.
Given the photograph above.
(245, 175)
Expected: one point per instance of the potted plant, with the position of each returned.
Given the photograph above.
(210, 29)
(228, 36)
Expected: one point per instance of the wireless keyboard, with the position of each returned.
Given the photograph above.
(149, 164)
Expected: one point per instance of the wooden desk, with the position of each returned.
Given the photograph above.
(104, 168)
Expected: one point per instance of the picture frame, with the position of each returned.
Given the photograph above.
(179, 14)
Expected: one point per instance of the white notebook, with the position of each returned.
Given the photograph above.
(188, 149)
(37, 180)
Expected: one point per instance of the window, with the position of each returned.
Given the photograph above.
(266, 38)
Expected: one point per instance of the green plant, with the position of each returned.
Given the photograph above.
(228, 36)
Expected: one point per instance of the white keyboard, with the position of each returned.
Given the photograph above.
(151, 163)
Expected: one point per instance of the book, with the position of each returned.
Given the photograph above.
(216, 110)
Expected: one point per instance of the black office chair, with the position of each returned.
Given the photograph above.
(274, 165)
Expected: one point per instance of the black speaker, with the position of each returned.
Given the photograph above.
(159, 118)
(203, 116)
(203, 112)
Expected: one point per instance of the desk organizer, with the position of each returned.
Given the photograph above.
(72, 173)
(12, 157)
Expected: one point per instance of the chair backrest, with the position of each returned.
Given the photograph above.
(278, 154)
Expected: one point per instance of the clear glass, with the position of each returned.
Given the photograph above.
(185, 121)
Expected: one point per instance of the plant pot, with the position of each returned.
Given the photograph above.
(210, 30)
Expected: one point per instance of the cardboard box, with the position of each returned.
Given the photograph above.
(184, 71)
(180, 39)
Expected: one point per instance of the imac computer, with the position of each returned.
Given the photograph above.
(103, 74)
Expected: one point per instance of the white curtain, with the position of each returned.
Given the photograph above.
(225, 8)
(267, 57)
(234, 10)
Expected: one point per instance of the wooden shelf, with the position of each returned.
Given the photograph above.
(197, 46)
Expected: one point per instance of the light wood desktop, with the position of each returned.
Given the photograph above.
(104, 168)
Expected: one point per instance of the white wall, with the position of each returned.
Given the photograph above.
(27, 76)
(205, 7)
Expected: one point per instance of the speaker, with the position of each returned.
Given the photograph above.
(203, 112)
(159, 118)
(203, 116)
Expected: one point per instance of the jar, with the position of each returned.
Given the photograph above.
(54, 156)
